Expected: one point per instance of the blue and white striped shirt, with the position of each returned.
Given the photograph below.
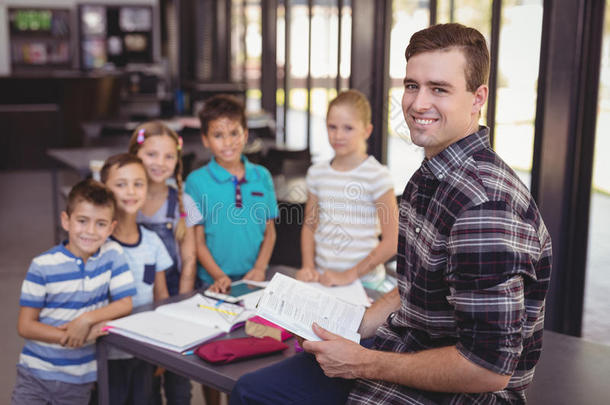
(64, 287)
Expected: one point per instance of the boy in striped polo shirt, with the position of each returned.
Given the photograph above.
(67, 294)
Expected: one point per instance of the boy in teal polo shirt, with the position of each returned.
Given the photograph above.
(236, 198)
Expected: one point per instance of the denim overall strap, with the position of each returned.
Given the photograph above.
(172, 275)
(165, 231)
(172, 200)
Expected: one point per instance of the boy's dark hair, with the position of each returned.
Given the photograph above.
(448, 36)
(93, 192)
(122, 159)
(222, 106)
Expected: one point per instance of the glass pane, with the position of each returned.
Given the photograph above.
(324, 31)
(254, 43)
(408, 17)
(238, 51)
(298, 59)
(518, 57)
(324, 57)
(280, 96)
(472, 13)
(320, 148)
(345, 65)
(596, 323)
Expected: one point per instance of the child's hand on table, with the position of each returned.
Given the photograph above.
(307, 274)
(330, 278)
(222, 284)
(255, 274)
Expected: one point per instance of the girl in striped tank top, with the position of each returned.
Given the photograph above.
(351, 217)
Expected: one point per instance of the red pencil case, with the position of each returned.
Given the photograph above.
(230, 350)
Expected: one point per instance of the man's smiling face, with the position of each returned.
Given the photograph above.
(436, 104)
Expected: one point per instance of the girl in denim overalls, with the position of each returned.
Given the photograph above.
(164, 212)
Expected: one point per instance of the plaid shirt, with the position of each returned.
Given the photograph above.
(474, 264)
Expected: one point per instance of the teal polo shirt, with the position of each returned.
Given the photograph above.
(235, 214)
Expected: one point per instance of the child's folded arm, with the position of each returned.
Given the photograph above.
(113, 310)
(78, 329)
(96, 331)
(29, 327)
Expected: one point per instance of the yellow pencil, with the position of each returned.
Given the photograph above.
(224, 311)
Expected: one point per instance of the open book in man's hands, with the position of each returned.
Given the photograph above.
(295, 306)
(181, 325)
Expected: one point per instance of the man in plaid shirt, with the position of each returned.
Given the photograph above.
(474, 260)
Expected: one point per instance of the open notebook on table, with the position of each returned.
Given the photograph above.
(182, 325)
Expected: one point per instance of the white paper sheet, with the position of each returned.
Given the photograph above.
(295, 305)
(353, 293)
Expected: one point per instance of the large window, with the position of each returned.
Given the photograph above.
(515, 86)
(313, 58)
(324, 53)
(472, 13)
(238, 41)
(297, 66)
(518, 56)
(596, 323)
(280, 94)
(408, 16)
(254, 44)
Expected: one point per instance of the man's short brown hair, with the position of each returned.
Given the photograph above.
(222, 106)
(448, 36)
(92, 192)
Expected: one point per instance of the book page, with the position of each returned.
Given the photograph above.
(295, 305)
(353, 293)
(205, 311)
(163, 331)
(251, 300)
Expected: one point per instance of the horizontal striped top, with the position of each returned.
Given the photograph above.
(474, 264)
(348, 223)
(64, 287)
